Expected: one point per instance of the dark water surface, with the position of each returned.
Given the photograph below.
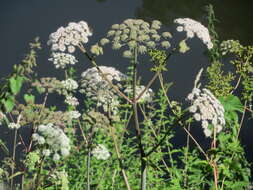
(22, 20)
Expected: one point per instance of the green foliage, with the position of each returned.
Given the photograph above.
(139, 137)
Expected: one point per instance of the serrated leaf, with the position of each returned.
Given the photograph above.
(8, 103)
(183, 47)
(231, 103)
(16, 84)
(29, 98)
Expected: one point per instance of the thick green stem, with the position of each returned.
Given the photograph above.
(13, 157)
(137, 127)
(88, 169)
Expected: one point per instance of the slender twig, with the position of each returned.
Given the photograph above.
(186, 156)
(103, 75)
(237, 84)
(147, 87)
(198, 145)
(241, 122)
(119, 157)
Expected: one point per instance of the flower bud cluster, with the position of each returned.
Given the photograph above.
(192, 28)
(208, 110)
(70, 84)
(53, 139)
(72, 101)
(97, 89)
(100, 152)
(136, 34)
(61, 60)
(13, 125)
(230, 46)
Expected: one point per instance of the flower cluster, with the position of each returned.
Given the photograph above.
(72, 101)
(67, 38)
(70, 84)
(230, 46)
(100, 152)
(192, 28)
(96, 88)
(136, 34)
(207, 109)
(146, 97)
(73, 114)
(53, 139)
(61, 60)
(13, 126)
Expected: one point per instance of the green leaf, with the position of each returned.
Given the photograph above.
(250, 69)
(4, 147)
(8, 103)
(183, 47)
(29, 98)
(16, 84)
(231, 103)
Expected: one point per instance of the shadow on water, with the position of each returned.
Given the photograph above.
(235, 18)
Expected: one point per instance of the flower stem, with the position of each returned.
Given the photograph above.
(13, 156)
(88, 169)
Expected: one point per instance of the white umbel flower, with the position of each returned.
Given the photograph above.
(74, 114)
(72, 101)
(70, 84)
(96, 88)
(67, 38)
(13, 125)
(101, 152)
(61, 60)
(207, 109)
(192, 28)
(55, 139)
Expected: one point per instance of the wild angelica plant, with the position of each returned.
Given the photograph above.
(123, 138)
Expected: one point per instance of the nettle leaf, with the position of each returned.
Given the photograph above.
(16, 84)
(183, 47)
(8, 103)
(231, 103)
(29, 98)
